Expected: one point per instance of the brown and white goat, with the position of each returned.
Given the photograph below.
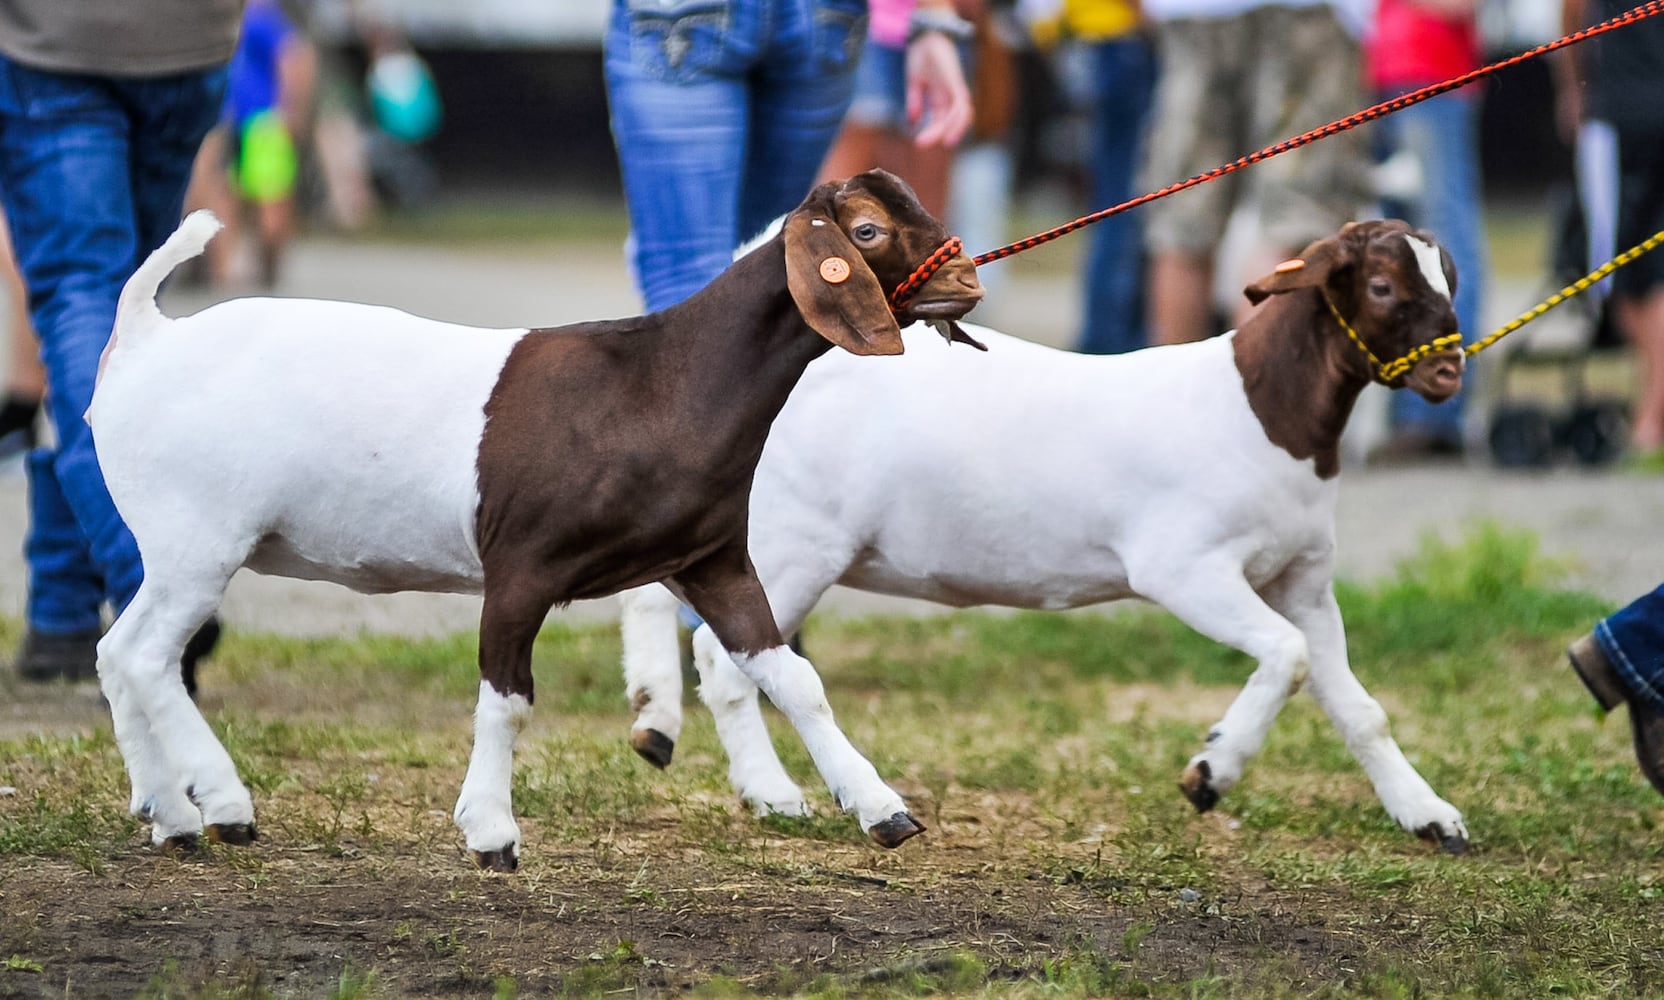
(1201, 477)
(368, 447)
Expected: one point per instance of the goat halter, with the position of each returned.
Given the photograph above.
(924, 272)
(1389, 372)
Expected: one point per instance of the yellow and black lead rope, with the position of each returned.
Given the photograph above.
(1390, 371)
(1580, 285)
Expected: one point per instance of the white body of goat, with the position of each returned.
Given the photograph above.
(1038, 478)
(383, 451)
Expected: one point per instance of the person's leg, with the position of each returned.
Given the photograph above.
(1196, 124)
(1442, 134)
(1622, 662)
(677, 94)
(63, 175)
(1123, 79)
(1633, 637)
(803, 89)
(877, 107)
(1300, 70)
(74, 154)
(210, 188)
(1638, 289)
(1641, 319)
(1180, 297)
(64, 589)
(25, 378)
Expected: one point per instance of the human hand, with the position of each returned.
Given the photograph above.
(936, 85)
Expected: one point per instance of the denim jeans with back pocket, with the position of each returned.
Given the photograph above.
(722, 111)
(92, 175)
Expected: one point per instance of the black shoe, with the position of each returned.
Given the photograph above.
(1645, 721)
(199, 646)
(47, 656)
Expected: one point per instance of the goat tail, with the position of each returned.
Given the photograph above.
(137, 308)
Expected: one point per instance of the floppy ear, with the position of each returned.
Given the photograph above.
(836, 292)
(1312, 269)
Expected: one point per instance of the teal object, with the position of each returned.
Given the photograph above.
(403, 97)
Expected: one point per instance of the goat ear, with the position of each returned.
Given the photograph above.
(1312, 269)
(836, 292)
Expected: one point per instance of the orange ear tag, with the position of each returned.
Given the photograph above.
(1289, 265)
(834, 270)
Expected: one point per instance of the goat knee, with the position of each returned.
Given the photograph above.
(722, 685)
(1364, 724)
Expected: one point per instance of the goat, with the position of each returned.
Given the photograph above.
(1201, 477)
(365, 446)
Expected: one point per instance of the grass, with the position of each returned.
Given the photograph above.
(1042, 750)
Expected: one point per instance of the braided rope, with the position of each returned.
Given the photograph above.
(1390, 371)
(1580, 285)
(1644, 10)
(924, 272)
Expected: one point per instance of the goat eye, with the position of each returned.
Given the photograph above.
(1380, 289)
(866, 232)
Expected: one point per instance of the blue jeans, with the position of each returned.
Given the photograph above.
(1633, 639)
(722, 111)
(92, 175)
(1443, 135)
(1124, 76)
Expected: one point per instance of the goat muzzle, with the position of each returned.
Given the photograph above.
(949, 294)
(1438, 376)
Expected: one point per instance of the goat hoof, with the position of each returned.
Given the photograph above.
(1197, 786)
(653, 746)
(505, 859)
(896, 830)
(235, 834)
(1454, 844)
(182, 845)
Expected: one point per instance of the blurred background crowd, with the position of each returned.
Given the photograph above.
(343, 114)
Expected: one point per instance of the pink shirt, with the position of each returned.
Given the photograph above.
(888, 23)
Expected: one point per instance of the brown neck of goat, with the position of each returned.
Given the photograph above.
(736, 353)
(618, 452)
(1302, 376)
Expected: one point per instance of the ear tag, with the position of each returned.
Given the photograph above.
(834, 270)
(1289, 265)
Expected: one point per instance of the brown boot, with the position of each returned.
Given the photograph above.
(1645, 721)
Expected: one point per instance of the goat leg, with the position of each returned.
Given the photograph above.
(724, 590)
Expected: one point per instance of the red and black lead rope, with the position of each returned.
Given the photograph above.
(924, 272)
(1645, 10)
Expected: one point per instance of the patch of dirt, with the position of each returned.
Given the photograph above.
(655, 915)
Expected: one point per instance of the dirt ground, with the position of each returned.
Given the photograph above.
(632, 911)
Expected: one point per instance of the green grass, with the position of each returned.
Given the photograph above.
(1044, 748)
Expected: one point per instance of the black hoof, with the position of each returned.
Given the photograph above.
(1451, 843)
(1197, 786)
(235, 834)
(653, 746)
(182, 845)
(503, 860)
(896, 830)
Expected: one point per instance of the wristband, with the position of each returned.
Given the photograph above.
(939, 19)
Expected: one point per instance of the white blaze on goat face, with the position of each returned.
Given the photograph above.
(1432, 265)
